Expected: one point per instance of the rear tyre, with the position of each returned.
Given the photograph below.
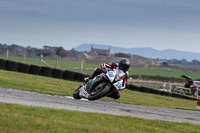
(76, 93)
(98, 93)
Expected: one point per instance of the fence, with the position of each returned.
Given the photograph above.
(42, 61)
(75, 76)
(40, 70)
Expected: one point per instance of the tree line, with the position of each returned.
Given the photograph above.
(49, 51)
(46, 51)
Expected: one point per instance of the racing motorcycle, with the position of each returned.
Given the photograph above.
(100, 86)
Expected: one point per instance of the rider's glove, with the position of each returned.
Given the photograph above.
(103, 65)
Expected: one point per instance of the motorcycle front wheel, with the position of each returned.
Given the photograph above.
(99, 92)
(76, 93)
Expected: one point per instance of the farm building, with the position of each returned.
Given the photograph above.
(98, 56)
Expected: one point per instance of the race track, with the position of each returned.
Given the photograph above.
(59, 102)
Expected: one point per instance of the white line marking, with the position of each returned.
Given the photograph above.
(73, 98)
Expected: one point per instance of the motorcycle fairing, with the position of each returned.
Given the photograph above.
(111, 75)
(118, 84)
(83, 93)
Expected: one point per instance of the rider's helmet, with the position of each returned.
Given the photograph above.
(124, 64)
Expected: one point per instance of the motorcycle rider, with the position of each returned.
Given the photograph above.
(122, 65)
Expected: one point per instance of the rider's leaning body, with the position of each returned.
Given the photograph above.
(122, 65)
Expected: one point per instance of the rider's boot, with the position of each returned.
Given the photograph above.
(87, 79)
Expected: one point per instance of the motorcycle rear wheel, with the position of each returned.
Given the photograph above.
(99, 93)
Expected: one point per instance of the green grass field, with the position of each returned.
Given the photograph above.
(18, 118)
(52, 62)
(88, 68)
(54, 86)
(24, 119)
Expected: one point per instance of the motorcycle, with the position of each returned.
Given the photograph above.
(101, 85)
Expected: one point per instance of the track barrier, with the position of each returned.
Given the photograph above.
(12, 65)
(46, 71)
(24, 68)
(36, 70)
(57, 73)
(69, 75)
(75, 76)
(3, 64)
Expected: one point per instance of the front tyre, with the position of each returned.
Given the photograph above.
(76, 93)
(99, 92)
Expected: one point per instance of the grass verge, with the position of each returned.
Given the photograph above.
(23, 119)
(16, 80)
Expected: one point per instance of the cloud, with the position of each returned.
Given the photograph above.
(130, 22)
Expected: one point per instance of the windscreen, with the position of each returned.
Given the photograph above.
(120, 73)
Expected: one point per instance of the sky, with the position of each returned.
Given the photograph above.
(159, 24)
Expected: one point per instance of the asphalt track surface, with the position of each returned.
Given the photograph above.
(98, 106)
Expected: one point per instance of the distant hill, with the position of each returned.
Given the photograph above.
(146, 52)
